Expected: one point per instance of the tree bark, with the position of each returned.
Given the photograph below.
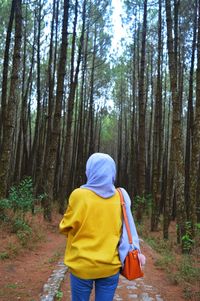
(157, 136)
(176, 139)
(5, 70)
(65, 182)
(190, 118)
(13, 101)
(194, 172)
(51, 158)
(141, 133)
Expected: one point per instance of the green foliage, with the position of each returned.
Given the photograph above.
(138, 200)
(59, 295)
(4, 255)
(21, 197)
(187, 271)
(160, 245)
(24, 237)
(55, 257)
(183, 271)
(20, 225)
(198, 228)
(22, 230)
(144, 202)
(12, 248)
(166, 262)
(4, 205)
(187, 240)
(20, 200)
(109, 123)
(189, 294)
(11, 285)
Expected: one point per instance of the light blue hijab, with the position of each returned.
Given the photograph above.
(101, 173)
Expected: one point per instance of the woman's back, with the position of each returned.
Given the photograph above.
(94, 226)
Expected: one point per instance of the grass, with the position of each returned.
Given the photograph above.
(12, 285)
(4, 255)
(55, 257)
(59, 295)
(181, 269)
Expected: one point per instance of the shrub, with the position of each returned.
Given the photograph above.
(187, 241)
(145, 202)
(4, 255)
(20, 225)
(21, 197)
(4, 205)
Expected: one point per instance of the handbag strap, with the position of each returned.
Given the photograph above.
(125, 216)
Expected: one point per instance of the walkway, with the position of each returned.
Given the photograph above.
(136, 290)
(126, 290)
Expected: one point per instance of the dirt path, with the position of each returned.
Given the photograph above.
(23, 277)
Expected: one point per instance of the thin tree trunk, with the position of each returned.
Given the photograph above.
(91, 107)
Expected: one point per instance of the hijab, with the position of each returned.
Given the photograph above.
(101, 173)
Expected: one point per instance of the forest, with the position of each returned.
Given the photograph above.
(65, 95)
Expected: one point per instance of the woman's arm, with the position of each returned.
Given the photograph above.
(72, 217)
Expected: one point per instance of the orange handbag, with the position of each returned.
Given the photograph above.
(132, 268)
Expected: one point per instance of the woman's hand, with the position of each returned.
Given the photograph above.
(142, 259)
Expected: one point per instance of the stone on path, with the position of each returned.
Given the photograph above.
(52, 286)
(136, 290)
(126, 290)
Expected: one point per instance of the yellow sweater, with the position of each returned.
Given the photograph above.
(93, 227)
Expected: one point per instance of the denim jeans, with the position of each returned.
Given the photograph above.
(104, 288)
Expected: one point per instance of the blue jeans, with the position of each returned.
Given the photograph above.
(104, 288)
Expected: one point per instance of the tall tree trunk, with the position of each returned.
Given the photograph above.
(13, 101)
(194, 172)
(35, 157)
(51, 81)
(120, 136)
(51, 158)
(141, 133)
(157, 136)
(66, 186)
(176, 126)
(82, 119)
(132, 171)
(21, 151)
(190, 118)
(5, 70)
(91, 107)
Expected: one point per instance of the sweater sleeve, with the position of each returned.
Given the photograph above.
(72, 217)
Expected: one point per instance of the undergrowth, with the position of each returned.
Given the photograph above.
(17, 219)
(181, 269)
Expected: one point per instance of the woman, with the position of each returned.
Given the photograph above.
(93, 226)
